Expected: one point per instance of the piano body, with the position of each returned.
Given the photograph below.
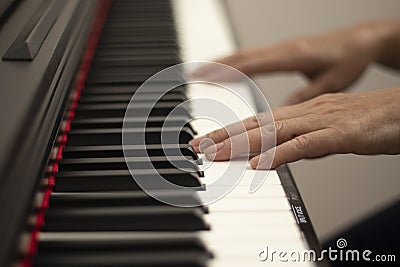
(68, 71)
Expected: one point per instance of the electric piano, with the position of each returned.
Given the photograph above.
(68, 71)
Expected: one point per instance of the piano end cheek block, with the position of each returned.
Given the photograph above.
(27, 44)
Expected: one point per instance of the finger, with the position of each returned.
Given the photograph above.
(219, 135)
(243, 143)
(263, 138)
(215, 72)
(310, 145)
(291, 128)
(282, 57)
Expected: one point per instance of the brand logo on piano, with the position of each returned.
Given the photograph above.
(299, 214)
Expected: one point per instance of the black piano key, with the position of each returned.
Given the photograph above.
(127, 75)
(127, 24)
(113, 136)
(149, 218)
(70, 242)
(138, 38)
(138, 109)
(133, 122)
(139, 16)
(128, 51)
(133, 71)
(131, 89)
(132, 47)
(127, 61)
(126, 98)
(130, 151)
(165, 47)
(122, 180)
(89, 164)
(121, 198)
(115, 29)
(152, 122)
(121, 259)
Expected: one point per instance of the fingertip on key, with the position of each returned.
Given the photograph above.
(254, 162)
(195, 143)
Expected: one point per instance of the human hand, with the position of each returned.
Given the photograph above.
(360, 123)
(331, 62)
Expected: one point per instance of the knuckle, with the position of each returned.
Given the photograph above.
(339, 135)
(263, 118)
(279, 127)
(302, 142)
(255, 121)
(334, 140)
(329, 99)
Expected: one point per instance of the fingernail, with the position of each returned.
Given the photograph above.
(196, 140)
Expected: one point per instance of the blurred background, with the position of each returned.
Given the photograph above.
(342, 189)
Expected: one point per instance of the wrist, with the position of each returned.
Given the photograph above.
(384, 40)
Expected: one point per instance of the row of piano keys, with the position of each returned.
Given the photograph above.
(89, 211)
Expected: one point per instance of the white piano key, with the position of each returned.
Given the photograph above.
(249, 253)
(235, 97)
(246, 231)
(203, 31)
(228, 261)
(254, 218)
(237, 204)
(265, 191)
(237, 170)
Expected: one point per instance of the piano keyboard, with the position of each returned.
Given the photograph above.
(90, 212)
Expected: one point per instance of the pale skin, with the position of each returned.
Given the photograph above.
(318, 120)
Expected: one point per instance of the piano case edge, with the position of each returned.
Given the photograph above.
(28, 161)
(300, 212)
